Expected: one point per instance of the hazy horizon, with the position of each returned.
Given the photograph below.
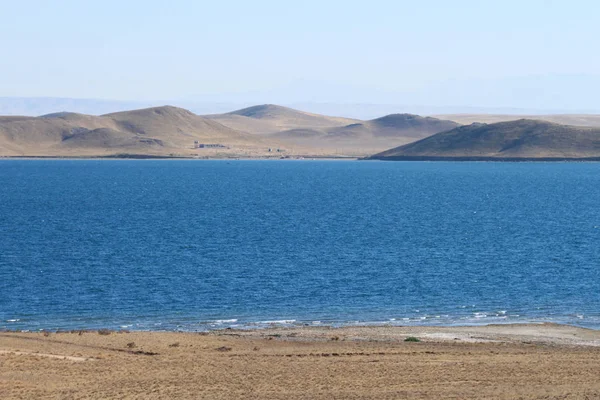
(38, 106)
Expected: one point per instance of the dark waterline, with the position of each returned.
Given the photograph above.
(194, 245)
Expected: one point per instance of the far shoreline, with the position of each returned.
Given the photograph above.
(314, 158)
(153, 157)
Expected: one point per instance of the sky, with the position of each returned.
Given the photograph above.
(534, 54)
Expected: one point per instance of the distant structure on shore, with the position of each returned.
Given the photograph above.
(198, 145)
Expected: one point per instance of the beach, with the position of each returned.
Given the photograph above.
(481, 362)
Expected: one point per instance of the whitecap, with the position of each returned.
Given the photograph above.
(281, 321)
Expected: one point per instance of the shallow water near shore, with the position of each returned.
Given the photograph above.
(197, 245)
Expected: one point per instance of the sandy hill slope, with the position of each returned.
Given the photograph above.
(152, 131)
(176, 125)
(396, 125)
(522, 139)
(368, 136)
(270, 118)
(592, 120)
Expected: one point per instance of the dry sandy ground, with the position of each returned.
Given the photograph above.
(232, 152)
(493, 362)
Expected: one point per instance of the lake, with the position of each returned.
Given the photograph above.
(196, 245)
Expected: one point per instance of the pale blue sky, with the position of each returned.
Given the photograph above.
(527, 53)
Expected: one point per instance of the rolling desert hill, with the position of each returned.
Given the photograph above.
(591, 120)
(153, 131)
(514, 140)
(405, 125)
(270, 118)
(368, 136)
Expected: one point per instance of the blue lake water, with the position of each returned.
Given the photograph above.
(195, 245)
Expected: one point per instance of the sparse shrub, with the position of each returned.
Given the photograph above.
(131, 345)
(104, 332)
(412, 339)
(176, 344)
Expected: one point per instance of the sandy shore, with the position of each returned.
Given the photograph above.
(489, 362)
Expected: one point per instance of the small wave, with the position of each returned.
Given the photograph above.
(225, 321)
(278, 322)
(13, 320)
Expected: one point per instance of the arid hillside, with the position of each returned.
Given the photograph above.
(522, 139)
(259, 131)
(270, 118)
(367, 136)
(153, 131)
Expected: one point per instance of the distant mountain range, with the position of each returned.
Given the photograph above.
(248, 132)
(276, 131)
(513, 140)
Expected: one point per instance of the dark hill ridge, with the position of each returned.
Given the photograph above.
(522, 139)
(264, 111)
(63, 115)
